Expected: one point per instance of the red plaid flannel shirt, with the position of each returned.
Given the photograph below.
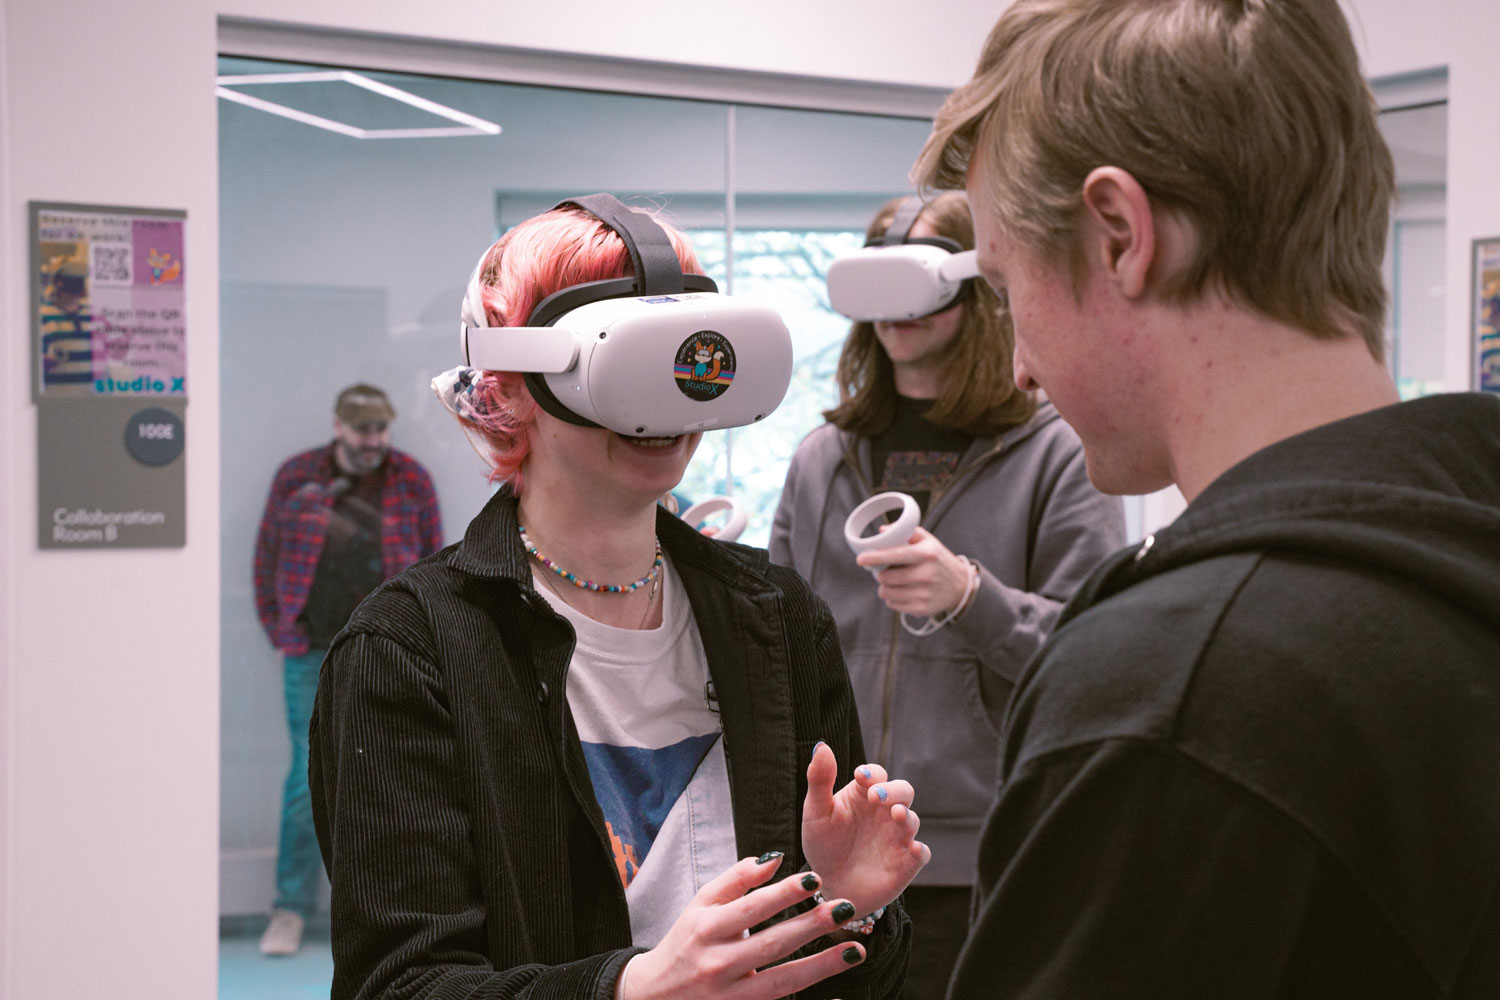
(295, 525)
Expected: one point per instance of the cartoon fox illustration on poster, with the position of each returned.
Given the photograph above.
(163, 267)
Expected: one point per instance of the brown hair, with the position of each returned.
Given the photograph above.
(978, 393)
(1247, 118)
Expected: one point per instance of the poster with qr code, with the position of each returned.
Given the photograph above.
(108, 286)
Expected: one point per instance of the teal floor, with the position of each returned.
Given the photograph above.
(246, 974)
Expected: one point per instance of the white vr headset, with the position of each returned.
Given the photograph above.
(900, 276)
(658, 354)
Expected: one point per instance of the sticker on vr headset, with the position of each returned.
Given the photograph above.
(705, 366)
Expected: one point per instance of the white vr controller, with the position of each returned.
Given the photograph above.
(901, 282)
(710, 506)
(871, 514)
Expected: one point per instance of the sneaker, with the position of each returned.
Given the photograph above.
(283, 934)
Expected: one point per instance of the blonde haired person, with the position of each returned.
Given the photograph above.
(588, 752)
(1258, 757)
(1010, 527)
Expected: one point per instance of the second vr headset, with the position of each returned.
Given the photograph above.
(657, 354)
(900, 276)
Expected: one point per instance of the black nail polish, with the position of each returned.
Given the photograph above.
(852, 955)
(809, 881)
(843, 913)
(768, 857)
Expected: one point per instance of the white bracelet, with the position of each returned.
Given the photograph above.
(931, 625)
(620, 983)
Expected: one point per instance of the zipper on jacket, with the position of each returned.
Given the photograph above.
(892, 662)
(888, 675)
(888, 695)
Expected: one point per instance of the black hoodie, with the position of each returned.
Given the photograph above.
(1262, 756)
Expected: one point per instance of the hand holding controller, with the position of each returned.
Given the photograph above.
(925, 579)
(709, 506)
(863, 517)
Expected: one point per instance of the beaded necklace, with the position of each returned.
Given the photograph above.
(600, 588)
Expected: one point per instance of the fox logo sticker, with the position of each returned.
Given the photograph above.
(704, 366)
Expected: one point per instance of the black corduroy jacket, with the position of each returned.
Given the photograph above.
(453, 805)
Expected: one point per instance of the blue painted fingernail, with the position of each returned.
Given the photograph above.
(881, 792)
(768, 857)
(843, 913)
(864, 772)
(809, 881)
(852, 955)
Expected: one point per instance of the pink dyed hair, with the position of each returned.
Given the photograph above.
(544, 254)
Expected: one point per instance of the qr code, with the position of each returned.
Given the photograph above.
(111, 264)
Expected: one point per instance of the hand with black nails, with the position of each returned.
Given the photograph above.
(711, 952)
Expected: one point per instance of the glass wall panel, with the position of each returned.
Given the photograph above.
(1418, 297)
(806, 184)
(344, 259)
(1416, 251)
(349, 230)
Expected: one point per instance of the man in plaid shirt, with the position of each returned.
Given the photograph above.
(340, 519)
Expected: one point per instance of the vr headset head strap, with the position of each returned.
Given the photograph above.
(898, 233)
(900, 228)
(657, 269)
(657, 272)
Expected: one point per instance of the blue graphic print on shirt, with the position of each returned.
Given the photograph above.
(636, 788)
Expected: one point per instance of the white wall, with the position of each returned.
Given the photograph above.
(9, 275)
(109, 660)
(109, 657)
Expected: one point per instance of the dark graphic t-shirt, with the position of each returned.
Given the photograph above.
(350, 565)
(914, 455)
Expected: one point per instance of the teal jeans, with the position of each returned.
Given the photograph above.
(299, 866)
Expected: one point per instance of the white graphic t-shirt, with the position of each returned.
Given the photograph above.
(640, 701)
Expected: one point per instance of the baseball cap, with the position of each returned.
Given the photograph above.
(363, 404)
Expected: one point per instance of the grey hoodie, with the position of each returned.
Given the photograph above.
(1021, 506)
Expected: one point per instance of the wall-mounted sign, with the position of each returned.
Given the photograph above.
(1486, 319)
(109, 375)
(107, 295)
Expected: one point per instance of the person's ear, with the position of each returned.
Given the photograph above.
(1120, 238)
(512, 390)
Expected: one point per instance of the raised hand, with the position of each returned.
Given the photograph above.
(862, 840)
(710, 952)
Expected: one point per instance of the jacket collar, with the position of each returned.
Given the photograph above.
(491, 549)
(739, 613)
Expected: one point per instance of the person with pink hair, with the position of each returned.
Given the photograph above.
(588, 751)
